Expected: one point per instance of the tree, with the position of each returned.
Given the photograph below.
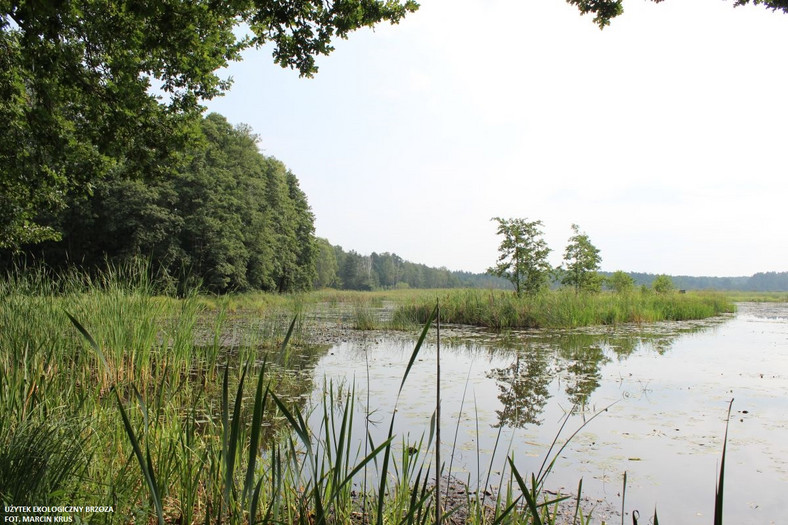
(91, 88)
(582, 263)
(326, 266)
(522, 255)
(662, 284)
(605, 10)
(621, 282)
(522, 389)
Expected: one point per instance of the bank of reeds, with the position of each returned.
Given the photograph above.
(563, 308)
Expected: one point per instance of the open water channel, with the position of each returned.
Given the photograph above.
(666, 387)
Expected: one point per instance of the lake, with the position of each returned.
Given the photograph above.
(666, 388)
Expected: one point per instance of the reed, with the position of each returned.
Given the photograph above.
(563, 309)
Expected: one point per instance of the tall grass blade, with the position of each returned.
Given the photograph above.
(623, 497)
(543, 472)
(718, 496)
(577, 501)
(302, 431)
(260, 398)
(144, 462)
(387, 454)
(438, 466)
(289, 333)
(416, 349)
(145, 466)
(529, 499)
(90, 341)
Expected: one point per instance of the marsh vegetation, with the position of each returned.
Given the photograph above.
(214, 409)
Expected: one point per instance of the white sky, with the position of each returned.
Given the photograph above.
(663, 136)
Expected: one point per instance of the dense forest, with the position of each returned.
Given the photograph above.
(227, 218)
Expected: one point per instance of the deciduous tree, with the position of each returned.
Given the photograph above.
(581, 259)
(662, 284)
(522, 255)
(621, 282)
(605, 10)
(230, 218)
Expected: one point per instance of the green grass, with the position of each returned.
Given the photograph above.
(564, 308)
(758, 297)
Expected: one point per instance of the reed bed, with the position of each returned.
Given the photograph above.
(563, 308)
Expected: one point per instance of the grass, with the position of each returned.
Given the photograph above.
(564, 308)
(758, 297)
(189, 411)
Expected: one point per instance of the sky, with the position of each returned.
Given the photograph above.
(663, 136)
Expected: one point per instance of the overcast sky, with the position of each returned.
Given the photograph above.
(664, 136)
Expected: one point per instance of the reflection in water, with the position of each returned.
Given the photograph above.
(574, 358)
(583, 356)
(521, 385)
(522, 388)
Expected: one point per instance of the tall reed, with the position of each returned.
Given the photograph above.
(563, 309)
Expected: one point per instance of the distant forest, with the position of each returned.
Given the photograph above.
(759, 282)
(353, 271)
(350, 270)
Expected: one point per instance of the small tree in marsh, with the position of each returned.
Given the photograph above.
(621, 282)
(662, 284)
(523, 255)
(582, 263)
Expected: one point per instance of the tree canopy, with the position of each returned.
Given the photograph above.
(90, 88)
(228, 218)
(582, 261)
(620, 281)
(522, 255)
(605, 10)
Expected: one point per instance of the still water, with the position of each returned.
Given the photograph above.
(666, 387)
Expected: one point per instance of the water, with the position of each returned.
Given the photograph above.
(666, 387)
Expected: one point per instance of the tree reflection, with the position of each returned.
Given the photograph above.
(522, 388)
(583, 356)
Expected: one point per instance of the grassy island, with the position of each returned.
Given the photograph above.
(564, 308)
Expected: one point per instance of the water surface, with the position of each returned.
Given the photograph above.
(667, 386)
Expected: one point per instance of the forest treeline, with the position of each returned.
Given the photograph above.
(350, 270)
(758, 282)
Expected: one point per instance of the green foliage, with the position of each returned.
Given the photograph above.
(582, 260)
(89, 89)
(605, 10)
(662, 284)
(523, 255)
(326, 266)
(229, 218)
(620, 282)
(390, 271)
